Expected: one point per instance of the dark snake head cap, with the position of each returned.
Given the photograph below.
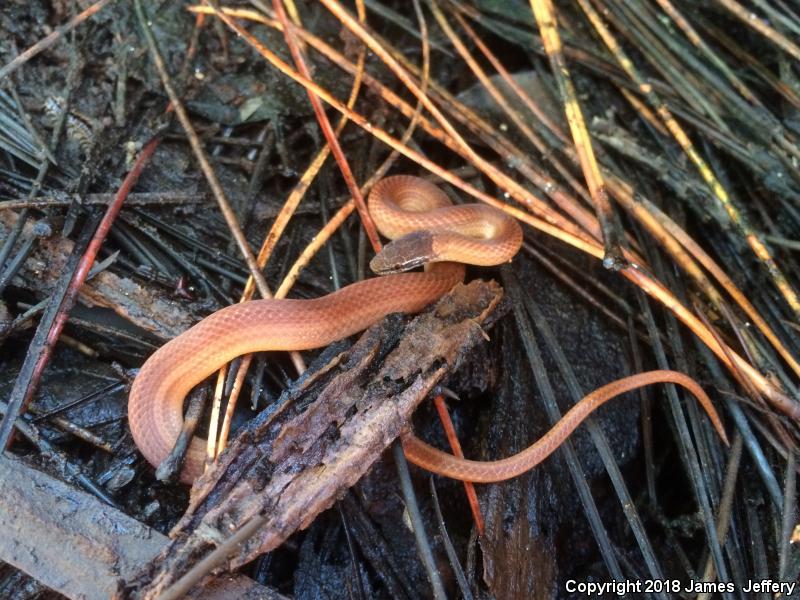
(405, 253)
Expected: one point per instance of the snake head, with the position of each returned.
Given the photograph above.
(405, 253)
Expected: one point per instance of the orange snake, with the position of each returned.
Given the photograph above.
(428, 230)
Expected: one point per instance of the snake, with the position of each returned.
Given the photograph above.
(426, 229)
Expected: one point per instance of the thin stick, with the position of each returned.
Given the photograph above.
(455, 446)
(199, 152)
(545, 15)
(52, 38)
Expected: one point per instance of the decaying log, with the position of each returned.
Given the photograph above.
(290, 465)
(73, 543)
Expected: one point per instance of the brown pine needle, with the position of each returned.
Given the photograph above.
(545, 15)
(540, 179)
(455, 446)
(564, 230)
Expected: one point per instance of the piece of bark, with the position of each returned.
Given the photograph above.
(156, 314)
(329, 429)
(75, 544)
